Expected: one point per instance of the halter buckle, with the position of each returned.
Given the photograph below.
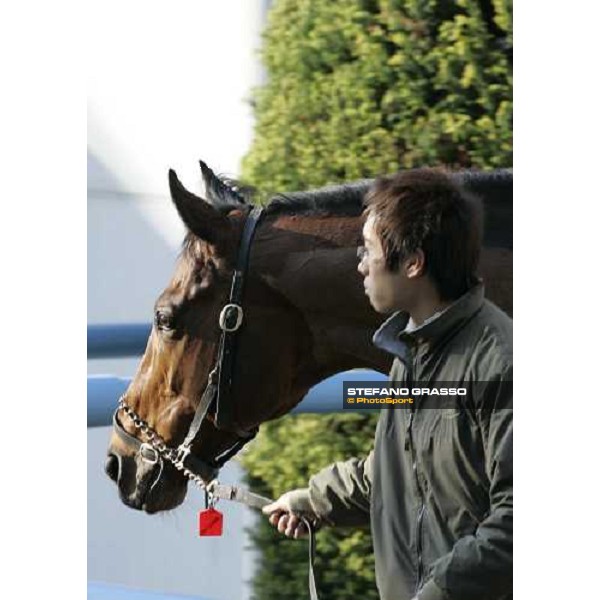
(149, 454)
(231, 317)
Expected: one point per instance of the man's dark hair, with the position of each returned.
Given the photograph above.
(426, 209)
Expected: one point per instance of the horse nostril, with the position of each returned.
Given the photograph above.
(111, 466)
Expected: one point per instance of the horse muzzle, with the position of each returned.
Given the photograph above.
(144, 485)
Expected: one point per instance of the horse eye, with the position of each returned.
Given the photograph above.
(163, 320)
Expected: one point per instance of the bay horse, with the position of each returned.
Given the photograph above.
(306, 317)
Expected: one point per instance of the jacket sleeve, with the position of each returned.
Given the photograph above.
(340, 494)
(480, 565)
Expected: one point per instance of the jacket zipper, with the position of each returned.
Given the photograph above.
(421, 512)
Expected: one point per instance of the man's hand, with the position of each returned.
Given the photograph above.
(286, 511)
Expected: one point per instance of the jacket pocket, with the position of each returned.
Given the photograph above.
(454, 467)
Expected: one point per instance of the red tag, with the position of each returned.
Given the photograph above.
(210, 522)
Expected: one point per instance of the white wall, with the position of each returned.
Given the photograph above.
(168, 85)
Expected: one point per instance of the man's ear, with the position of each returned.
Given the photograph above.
(414, 264)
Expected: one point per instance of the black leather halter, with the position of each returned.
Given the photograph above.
(218, 390)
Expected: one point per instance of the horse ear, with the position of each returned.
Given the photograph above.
(218, 192)
(199, 216)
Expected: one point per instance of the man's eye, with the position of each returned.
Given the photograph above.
(361, 253)
(163, 320)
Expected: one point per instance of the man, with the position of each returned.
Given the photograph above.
(437, 487)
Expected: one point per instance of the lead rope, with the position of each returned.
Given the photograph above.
(236, 494)
(312, 585)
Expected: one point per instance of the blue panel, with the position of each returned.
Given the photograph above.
(103, 393)
(327, 396)
(113, 341)
(106, 591)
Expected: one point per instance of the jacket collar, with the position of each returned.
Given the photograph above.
(393, 336)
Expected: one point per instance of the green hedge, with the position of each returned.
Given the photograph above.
(356, 89)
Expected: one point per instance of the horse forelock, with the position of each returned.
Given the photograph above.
(194, 255)
(193, 248)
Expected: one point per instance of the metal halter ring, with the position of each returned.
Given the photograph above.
(227, 313)
(149, 454)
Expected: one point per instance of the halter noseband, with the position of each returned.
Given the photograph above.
(218, 388)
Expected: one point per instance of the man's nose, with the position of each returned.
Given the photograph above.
(362, 267)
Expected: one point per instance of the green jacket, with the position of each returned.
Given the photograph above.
(437, 487)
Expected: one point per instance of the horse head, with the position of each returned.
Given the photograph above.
(183, 347)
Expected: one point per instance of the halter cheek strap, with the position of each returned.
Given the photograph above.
(230, 320)
(220, 380)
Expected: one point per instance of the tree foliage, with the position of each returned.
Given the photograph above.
(358, 88)
(361, 87)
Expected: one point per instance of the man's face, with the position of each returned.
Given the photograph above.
(386, 289)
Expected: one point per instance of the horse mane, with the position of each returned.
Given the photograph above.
(344, 199)
(347, 199)
(472, 177)
(493, 187)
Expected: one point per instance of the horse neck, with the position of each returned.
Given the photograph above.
(311, 261)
